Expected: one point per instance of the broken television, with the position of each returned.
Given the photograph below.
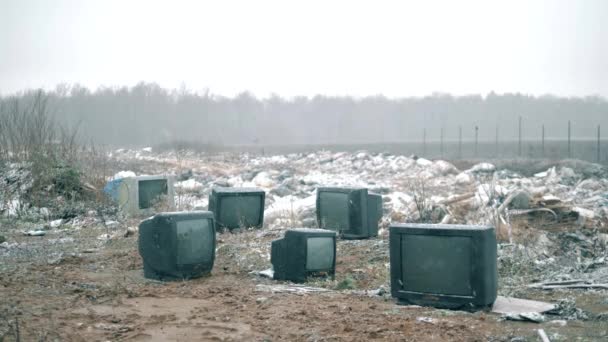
(237, 207)
(304, 253)
(144, 195)
(445, 266)
(352, 212)
(177, 245)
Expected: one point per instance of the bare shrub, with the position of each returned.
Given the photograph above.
(424, 207)
(58, 163)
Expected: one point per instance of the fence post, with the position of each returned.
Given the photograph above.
(424, 142)
(460, 142)
(496, 143)
(543, 142)
(476, 136)
(519, 140)
(598, 144)
(441, 142)
(569, 154)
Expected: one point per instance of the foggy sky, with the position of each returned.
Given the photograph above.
(309, 47)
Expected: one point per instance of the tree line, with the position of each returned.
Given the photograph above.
(147, 114)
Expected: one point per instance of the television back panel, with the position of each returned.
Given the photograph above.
(443, 265)
(374, 213)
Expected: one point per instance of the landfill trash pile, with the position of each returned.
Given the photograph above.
(482, 194)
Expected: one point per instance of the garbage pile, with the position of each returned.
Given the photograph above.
(413, 188)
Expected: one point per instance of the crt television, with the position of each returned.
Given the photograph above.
(177, 245)
(352, 212)
(445, 266)
(237, 207)
(143, 195)
(303, 253)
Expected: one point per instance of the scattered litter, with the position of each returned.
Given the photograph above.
(35, 233)
(104, 237)
(482, 168)
(525, 317)
(298, 289)
(123, 174)
(112, 327)
(558, 322)
(567, 310)
(569, 284)
(189, 185)
(543, 336)
(425, 320)
(510, 305)
(261, 300)
(56, 223)
(111, 224)
(130, 231)
(267, 273)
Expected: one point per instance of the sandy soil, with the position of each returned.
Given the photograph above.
(102, 296)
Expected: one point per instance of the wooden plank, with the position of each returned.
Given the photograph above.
(506, 305)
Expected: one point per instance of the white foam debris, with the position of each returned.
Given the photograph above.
(190, 184)
(482, 167)
(423, 162)
(55, 223)
(463, 178)
(123, 174)
(263, 180)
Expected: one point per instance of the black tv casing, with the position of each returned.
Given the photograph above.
(288, 255)
(361, 225)
(215, 203)
(484, 276)
(161, 263)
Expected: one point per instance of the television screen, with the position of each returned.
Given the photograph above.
(443, 265)
(334, 211)
(448, 271)
(319, 253)
(137, 196)
(351, 212)
(240, 211)
(193, 240)
(178, 245)
(303, 253)
(237, 207)
(150, 191)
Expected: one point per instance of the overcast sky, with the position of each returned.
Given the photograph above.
(395, 48)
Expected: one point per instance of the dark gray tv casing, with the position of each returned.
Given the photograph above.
(361, 225)
(215, 200)
(288, 255)
(161, 262)
(484, 277)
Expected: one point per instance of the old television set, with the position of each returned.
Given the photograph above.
(303, 253)
(237, 207)
(143, 195)
(445, 266)
(352, 212)
(177, 245)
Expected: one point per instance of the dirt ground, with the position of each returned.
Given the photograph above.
(99, 293)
